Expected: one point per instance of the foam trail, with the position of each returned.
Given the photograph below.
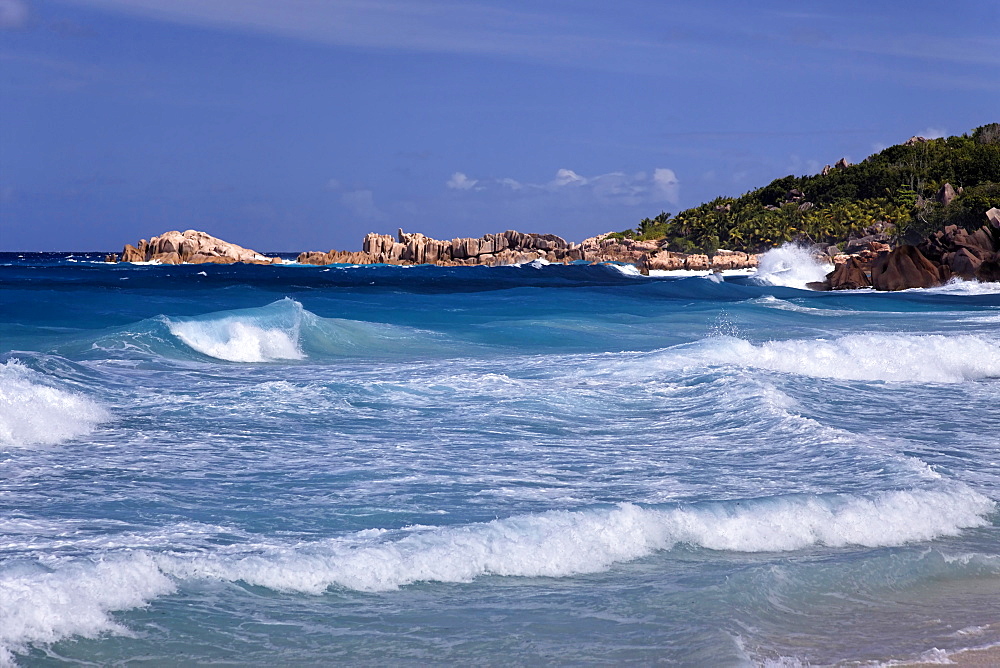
(43, 604)
(930, 358)
(566, 543)
(35, 413)
(790, 266)
(957, 286)
(263, 335)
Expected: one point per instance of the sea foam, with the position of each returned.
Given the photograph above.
(74, 597)
(566, 543)
(932, 358)
(42, 605)
(34, 412)
(790, 266)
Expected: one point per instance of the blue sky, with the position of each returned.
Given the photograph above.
(304, 124)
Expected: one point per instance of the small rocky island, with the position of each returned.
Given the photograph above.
(190, 246)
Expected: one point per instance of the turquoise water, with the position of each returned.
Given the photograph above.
(513, 465)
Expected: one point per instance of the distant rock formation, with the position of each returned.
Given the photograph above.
(513, 247)
(190, 246)
(508, 247)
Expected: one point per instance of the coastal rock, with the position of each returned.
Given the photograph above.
(946, 194)
(989, 271)
(850, 275)
(513, 247)
(993, 215)
(904, 268)
(191, 246)
(132, 254)
(510, 247)
(665, 261)
(697, 263)
(963, 263)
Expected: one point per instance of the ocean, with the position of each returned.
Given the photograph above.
(536, 464)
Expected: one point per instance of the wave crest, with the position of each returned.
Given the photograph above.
(32, 412)
(253, 335)
(43, 604)
(932, 358)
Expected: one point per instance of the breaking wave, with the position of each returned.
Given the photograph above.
(43, 604)
(34, 412)
(254, 335)
(280, 331)
(790, 266)
(932, 358)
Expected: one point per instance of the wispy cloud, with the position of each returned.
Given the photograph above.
(614, 187)
(451, 26)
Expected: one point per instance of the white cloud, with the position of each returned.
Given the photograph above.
(460, 181)
(613, 187)
(932, 133)
(666, 185)
(511, 183)
(567, 177)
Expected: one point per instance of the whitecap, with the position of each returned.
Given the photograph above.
(42, 604)
(34, 412)
(567, 543)
(912, 358)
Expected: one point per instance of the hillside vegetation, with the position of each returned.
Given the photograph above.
(900, 193)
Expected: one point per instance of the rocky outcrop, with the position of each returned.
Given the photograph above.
(850, 275)
(953, 251)
(508, 247)
(965, 252)
(906, 267)
(513, 247)
(194, 247)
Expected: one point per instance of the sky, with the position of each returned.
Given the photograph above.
(291, 125)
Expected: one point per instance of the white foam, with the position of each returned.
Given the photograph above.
(700, 273)
(931, 358)
(33, 412)
(957, 286)
(244, 337)
(790, 266)
(624, 269)
(43, 605)
(565, 543)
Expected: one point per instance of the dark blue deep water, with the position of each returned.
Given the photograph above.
(274, 465)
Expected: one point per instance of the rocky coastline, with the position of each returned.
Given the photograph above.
(946, 254)
(868, 262)
(512, 247)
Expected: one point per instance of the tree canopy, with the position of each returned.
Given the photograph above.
(899, 192)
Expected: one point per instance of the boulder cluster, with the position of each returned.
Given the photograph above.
(190, 246)
(951, 252)
(508, 247)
